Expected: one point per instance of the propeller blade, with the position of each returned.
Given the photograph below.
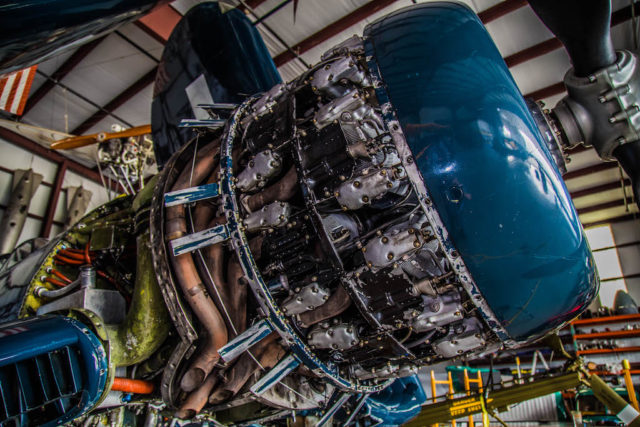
(583, 27)
(84, 140)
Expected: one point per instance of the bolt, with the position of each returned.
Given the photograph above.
(384, 239)
(390, 256)
(365, 199)
(356, 184)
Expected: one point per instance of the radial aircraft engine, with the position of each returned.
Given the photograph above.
(397, 205)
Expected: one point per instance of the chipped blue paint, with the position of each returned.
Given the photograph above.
(245, 340)
(191, 195)
(275, 375)
(199, 239)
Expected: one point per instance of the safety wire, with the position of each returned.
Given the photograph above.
(224, 308)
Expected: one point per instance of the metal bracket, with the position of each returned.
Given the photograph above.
(277, 373)
(245, 340)
(218, 106)
(195, 123)
(200, 239)
(191, 195)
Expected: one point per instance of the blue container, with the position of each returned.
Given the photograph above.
(484, 162)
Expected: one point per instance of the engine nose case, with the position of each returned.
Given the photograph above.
(485, 165)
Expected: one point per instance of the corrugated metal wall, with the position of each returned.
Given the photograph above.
(13, 157)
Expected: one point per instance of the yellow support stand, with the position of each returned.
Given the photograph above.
(467, 388)
(626, 370)
(449, 382)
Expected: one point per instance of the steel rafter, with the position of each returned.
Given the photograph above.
(371, 8)
(62, 71)
(116, 102)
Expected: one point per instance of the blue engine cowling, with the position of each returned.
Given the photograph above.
(485, 164)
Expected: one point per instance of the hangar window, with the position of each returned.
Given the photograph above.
(607, 260)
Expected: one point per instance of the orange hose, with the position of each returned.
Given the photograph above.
(66, 260)
(74, 250)
(55, 282)
(61, 276)
(87, 258)
(71, 255)
(128, 385)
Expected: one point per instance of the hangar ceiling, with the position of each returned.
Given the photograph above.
(110, 80)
